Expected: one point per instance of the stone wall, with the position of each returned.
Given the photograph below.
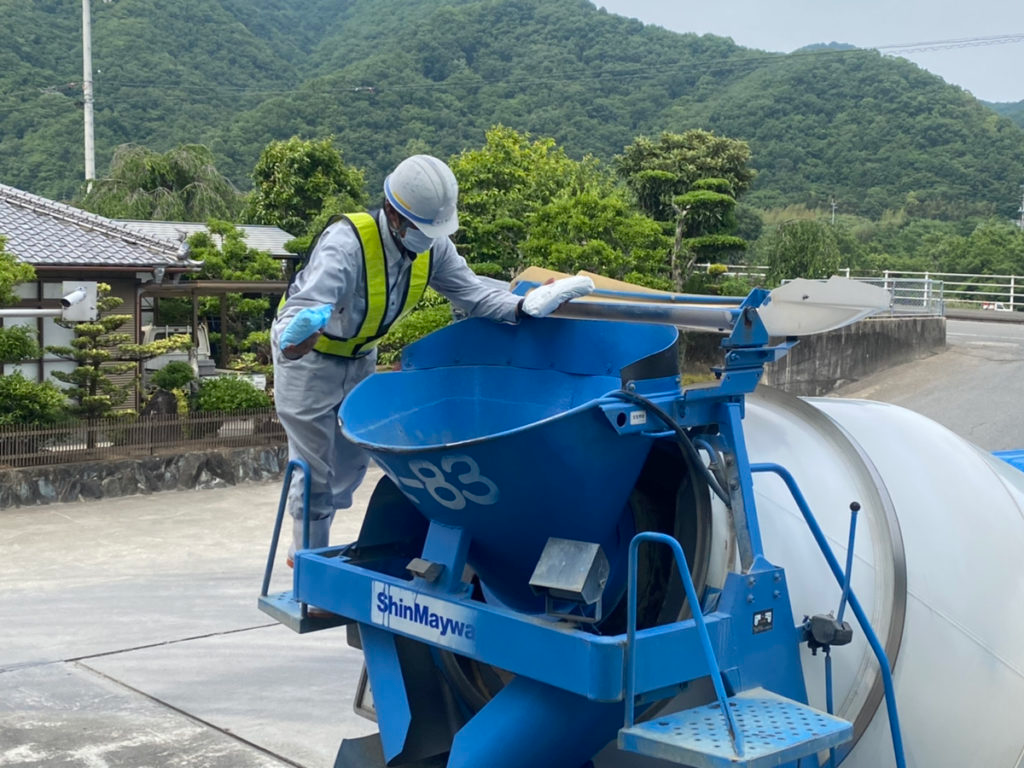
(105, 479)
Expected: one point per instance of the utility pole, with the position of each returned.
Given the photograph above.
(1020, 223)
(834, 206)
(90, 149)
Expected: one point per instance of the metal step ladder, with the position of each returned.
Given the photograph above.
(755, 728)
(776, 731)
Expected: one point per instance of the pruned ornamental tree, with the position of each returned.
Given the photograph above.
(100, 350)
(689, 182)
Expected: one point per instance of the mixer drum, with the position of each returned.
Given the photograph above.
(939, 538)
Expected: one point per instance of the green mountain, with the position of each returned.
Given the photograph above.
(390, 77)
(1011, 109)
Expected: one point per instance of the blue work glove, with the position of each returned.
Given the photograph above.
(306, 322)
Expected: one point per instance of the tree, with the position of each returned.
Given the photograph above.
(659, 171)
(16, 342)
(300, 183)
(502, 185)
(704, 218)
(99, 352)
(803, 248)
(182, 184)
(226, 256)
(597, 231)
(22, 401)
(689, 182)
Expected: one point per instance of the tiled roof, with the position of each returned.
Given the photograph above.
(258, 236)
(43, 232)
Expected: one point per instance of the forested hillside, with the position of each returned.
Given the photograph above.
(1011, 109)
(389, 77)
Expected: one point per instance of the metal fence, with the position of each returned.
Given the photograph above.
(966, 291)
(913, 293)
(118, 438)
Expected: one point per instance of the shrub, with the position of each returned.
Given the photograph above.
(228, 393)
(175, 375)
(413, 326)
(26, 402)
(17, 342)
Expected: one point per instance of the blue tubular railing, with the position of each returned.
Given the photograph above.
(292, 465)
(702, 633)
(855, 606)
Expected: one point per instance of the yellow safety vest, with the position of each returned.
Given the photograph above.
(377, 293)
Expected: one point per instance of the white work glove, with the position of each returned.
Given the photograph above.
(306, 323)
(545, 299)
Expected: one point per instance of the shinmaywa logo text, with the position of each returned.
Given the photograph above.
(424, 615)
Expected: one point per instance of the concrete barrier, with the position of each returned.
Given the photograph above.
(819, 364)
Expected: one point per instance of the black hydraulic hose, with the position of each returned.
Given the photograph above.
(684, 440)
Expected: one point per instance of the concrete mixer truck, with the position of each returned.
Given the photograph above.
(573, 561)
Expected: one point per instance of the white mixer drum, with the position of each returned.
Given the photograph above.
(939, 538)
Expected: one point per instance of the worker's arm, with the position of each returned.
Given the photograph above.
(318, 295)
(451, 277)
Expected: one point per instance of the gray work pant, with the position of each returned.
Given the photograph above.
(307, 394)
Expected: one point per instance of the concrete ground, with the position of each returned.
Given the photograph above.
(130, 637)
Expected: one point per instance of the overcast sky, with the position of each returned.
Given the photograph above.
(992, 72)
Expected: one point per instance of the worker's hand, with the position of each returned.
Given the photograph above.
(545, 299)
(295, 351)
(303, 331)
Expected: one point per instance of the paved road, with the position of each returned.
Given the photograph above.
(974, 386)
(130, 636)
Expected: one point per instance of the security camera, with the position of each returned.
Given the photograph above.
(74, 297)
(79, 302)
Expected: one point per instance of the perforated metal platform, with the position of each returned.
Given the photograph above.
(776, 730)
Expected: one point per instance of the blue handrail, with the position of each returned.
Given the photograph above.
(282, 505)
(855, 606)
(702, 633)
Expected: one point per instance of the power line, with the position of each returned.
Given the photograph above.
(741, 60)
(962, 42)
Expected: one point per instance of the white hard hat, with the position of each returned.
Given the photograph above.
(423, 189)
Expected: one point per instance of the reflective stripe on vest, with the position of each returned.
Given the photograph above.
(377, 292)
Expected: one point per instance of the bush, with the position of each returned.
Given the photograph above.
(228, 393)
(17, 342)
(26, 402)
(415, 325)
(175, 375)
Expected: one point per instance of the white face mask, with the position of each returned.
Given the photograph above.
(416, 241)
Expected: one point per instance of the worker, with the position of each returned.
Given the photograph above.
(365, 272)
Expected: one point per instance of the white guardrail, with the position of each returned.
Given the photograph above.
(930, 293)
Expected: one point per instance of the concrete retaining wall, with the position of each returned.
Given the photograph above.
(819, 364)
(105, 479)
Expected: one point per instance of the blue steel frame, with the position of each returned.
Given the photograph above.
(589, 665)
(642, 664)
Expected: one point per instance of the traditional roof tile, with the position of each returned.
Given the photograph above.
(259, 236)
(43, 232)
